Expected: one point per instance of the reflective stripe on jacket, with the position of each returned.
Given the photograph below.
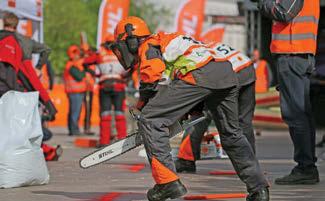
(299, 35)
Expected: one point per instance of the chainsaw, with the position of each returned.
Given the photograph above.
(131, 141)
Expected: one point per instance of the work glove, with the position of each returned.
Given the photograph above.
(50, 111)
(140, 104)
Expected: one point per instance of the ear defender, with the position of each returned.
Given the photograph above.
(131, 40)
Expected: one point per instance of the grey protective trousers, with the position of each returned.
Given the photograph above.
(173, 101)
(246, 106)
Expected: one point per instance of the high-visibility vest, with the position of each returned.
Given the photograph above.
(300, 35)
(262, 77)
(72, 85)
(187, 54)
(238, 60)
(182, 54)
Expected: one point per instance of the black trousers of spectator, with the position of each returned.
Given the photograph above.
(294, 86)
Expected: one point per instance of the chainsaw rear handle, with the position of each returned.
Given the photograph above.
(135, 116)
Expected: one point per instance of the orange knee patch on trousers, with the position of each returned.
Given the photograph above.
(185, 150)
(161, 173)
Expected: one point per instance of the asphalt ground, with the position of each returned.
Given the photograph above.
(128, 177)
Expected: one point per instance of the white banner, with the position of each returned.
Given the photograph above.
(30, 13)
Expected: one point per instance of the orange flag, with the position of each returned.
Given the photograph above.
(110, 13)
(190, 17)
(213, 34)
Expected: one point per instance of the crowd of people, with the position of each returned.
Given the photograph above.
(181, 76)
(84, 68)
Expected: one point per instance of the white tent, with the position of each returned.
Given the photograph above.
(28, 11)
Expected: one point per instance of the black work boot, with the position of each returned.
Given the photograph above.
(161, 192)
(185, 166)
(260, 195)
(297, 176)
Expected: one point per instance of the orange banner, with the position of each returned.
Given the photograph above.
(25, 27)
(190, 17)
(214, 34)
(110, 13)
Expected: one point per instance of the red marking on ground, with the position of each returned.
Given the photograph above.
(223, 172)
(135, 167)
(274, 99)
(268, 119)
(215, 196)
(110, 196)
(85, 142)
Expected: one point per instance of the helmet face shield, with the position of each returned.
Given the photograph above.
(125, 57)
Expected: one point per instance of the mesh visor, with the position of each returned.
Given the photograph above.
(125, 57)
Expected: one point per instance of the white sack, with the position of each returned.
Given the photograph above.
(22, 161)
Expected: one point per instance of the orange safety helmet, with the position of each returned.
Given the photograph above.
(139, 28)
(127, 35)
(72, 51)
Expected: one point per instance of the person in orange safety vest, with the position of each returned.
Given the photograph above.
(294, 41)
(176, 73)
(75, 87)
(262, 82)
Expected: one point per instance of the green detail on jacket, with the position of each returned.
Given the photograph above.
(182, 64)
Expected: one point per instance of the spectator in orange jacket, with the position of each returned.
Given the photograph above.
(75, 87)
(263, 74)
